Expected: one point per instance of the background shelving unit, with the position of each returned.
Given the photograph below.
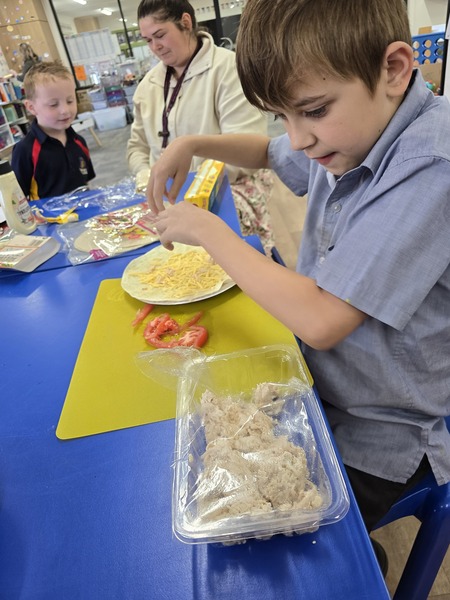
(17, 118)
(13, 116)
(6, 138)
(14, 123)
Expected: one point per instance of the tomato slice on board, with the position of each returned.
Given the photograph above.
(165, 332)
(192, 321)
(142, 313)
(195, 336)
(158, 342)
(161, 325)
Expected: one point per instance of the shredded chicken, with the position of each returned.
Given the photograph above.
(248, 469)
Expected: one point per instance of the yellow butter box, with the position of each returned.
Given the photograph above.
(206, 184)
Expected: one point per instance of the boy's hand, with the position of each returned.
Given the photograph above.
(185, 223)
(173, 164)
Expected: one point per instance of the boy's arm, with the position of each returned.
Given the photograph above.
(317, 317)
(248, 151)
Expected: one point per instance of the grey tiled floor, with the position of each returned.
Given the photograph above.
(109, 160)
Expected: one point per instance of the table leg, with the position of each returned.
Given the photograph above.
(95, 136)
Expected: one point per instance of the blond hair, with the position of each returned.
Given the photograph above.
(42, 73)
(281, 42)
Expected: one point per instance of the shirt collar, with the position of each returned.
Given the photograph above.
(416, 97)
(331, 180)
(42, 136)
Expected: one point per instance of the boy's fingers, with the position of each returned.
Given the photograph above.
(155, 192)
(177, 184)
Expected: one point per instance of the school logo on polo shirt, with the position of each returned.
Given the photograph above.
(83, 166)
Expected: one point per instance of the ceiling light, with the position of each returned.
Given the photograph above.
(80, 1)
(106, 11)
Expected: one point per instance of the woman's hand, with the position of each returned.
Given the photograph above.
(174, 164)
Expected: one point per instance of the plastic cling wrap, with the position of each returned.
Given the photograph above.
(253, 454)
(84, 203)
(106, 235)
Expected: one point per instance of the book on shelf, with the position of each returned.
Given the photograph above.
(7, 92)
(10, 113)
(26, 252)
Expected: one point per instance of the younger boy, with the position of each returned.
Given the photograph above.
(51, 159)
(369, 144)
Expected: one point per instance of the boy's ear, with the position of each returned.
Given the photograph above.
(398, 63)
(29, 106)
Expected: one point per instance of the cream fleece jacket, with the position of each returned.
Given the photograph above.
(210, 101)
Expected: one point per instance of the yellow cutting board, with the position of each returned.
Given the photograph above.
(108, 391)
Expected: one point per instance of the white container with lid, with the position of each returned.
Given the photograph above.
(15, 206)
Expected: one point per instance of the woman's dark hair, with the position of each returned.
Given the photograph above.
(28, 53)
(167, 10)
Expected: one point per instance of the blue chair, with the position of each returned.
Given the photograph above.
(430, 503)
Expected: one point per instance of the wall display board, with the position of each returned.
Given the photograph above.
(83, 47)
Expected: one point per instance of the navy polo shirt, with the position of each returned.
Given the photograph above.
(45, 167)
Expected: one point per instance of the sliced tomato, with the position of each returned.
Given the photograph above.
(158, 342)
(142, 313)
(159, 326)
(192, 321)
(165, 324)
(196, 336)
(165, 332)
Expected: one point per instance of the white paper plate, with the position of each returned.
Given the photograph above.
(152, 295)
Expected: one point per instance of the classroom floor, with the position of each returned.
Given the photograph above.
(287, 212)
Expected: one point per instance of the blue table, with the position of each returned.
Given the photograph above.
(90, 518)
(223, 207)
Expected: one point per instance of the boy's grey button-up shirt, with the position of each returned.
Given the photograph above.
(379, 237)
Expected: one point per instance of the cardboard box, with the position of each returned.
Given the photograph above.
(205, 188)
(83, 101)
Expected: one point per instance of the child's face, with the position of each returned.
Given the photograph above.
(337, 122)
(54, 104)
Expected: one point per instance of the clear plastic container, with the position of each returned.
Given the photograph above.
(252, 464)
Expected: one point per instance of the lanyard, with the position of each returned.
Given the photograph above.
(165, 133)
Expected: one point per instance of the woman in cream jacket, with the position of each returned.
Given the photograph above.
(209, 99)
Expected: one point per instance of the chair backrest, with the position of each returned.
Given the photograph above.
(430, 503)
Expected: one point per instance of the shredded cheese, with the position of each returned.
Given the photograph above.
(182, 275)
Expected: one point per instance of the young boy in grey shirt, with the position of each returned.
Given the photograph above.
(369, 144)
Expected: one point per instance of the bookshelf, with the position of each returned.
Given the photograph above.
(6, 138)
(13, 117)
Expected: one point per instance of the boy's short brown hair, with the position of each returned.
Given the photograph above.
(43, 72)
(280, 42)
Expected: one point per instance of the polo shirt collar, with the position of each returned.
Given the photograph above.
(42, 136)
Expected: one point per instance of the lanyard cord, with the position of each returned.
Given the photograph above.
(165, 133)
